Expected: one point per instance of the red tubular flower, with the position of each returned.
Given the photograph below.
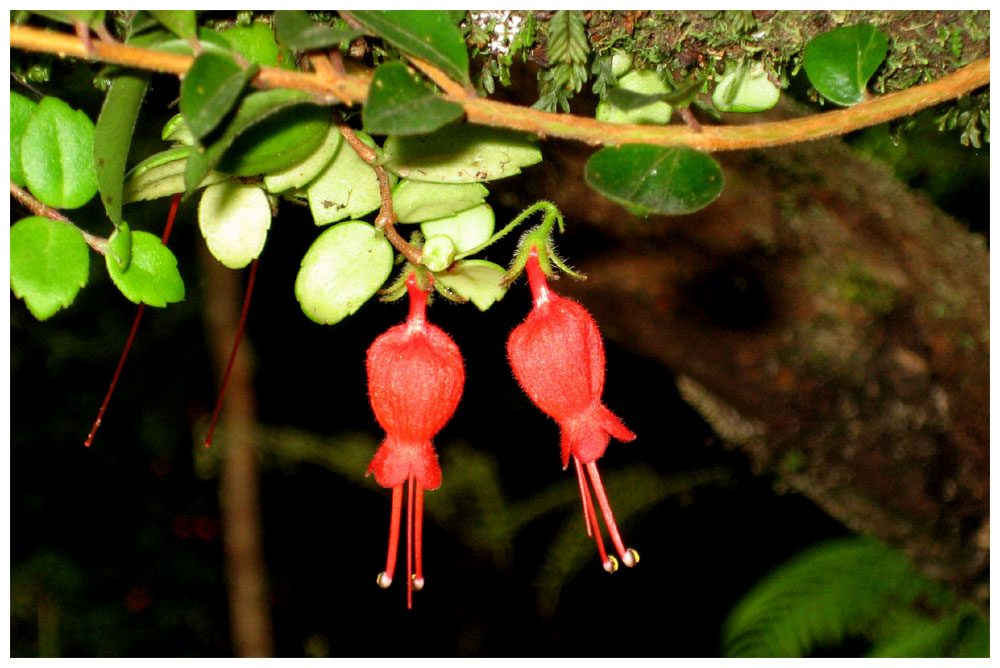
(415, 379)
(558, 358)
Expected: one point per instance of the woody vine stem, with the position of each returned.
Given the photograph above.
(332, 86)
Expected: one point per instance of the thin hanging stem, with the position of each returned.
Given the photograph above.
(629, 556)
(232, 355)
(384, 578)
(411, 485)
(171, 215)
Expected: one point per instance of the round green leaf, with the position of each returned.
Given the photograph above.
(49, 263)
(461, 153)
(740, 90)
(254, 42)
(476, 280)
(400, 103)
(162, 175)
(302, 173)
(646, 82)
(234, 219)
(152, 277)
(57, 155)
(21, 109)
(839, 63)
(347, 188)
(418, 201)
(342, 270)
(655, 179)
(467, 229)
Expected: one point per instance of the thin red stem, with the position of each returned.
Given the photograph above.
(418, 579)
(584, 496)
(536, 278)
(385, 577)
(171, 215)
(418, 302)
(232, 354)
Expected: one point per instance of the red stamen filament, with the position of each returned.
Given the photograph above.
(629, 556)
(232, 354)
(414, 539)
(588, 509)
(593, 528)
(171, 215)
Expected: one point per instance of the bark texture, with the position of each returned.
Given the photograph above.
(827, 321)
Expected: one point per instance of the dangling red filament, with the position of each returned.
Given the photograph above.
(232, 353)
(174, 203)
(415, 380)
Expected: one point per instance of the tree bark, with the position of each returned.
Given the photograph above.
(239, 488)
(826, 320)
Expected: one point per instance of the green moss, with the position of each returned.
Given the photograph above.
(859, 287)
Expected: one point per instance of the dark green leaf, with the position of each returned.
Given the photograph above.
(655, 179)
(400, 103)
(113, 137)
(839, 63)
(49, 263)
(289, 137)
(152, 277)
(181, 22)
(21, 109)
(296, 30)
(57, 155)
(427, 34)
(210, 89)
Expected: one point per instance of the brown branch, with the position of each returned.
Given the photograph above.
(99, 244)
(482, 111)
(386, 218)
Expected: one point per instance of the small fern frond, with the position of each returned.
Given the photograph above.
(841, 588)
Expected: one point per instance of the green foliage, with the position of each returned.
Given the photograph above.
(478, 281)
(234, 219)
(120, 245)
(654, 179)
(113, 138)
(181, 22)
(839, 63)
(49, 263)
(295, 30)
(342, 270)
(613, 108)
(400, 103)
(209, 90)
(568, 51)
(304, 172)
(845, 588)
(57, 155)
(468, 229)
(255, 42)
(346, 188)
(418, 201)
(21, 109)
(152, 277)
(427, 34)
(460, 153)
(743, 90)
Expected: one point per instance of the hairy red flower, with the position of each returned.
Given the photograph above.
(557, 355)
(415, 379)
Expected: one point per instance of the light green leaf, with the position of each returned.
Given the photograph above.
(176, 130)
(113, 137)
(839, 63)
(655, 179)
(209, 90)
(296, 30)
(427, 34)
(120, 245)
(347, 188)
(21, 109)
(181, 22)
(401, 103)
(234, 219)
(57, 155)
(742, 90)
(299, 175)
(438, 252)
(254, 42)
(162, 175)
(476, 280)
(49, 263)
(342, 270)
(646, 82)
(152, 277)
(418, 201)
(467, 229)
(461, 153)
